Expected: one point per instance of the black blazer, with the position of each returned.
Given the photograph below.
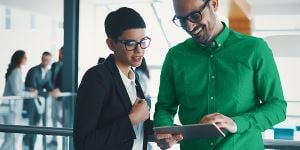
(56, 70)
(34, 80)
(101, 112)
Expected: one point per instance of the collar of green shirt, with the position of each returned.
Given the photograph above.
(218, 41)
(221, 38)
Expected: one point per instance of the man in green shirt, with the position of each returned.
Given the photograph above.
(218, 76)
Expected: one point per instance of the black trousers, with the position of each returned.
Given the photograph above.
(34, 118)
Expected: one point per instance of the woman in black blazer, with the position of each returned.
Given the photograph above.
(110, 112)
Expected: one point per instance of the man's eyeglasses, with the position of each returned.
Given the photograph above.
(131, 45)
(193, 17)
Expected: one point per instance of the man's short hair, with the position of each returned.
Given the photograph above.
(118, 21)
(46, 54)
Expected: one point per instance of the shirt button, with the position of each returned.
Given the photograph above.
(211, 144)
(212, 77)
(211, 98)
(211, 56)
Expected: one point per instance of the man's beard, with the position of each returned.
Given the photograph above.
(205, 37)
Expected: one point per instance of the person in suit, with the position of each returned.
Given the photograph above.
(56, 70)
(57, 103)
(14, 86)
(111, 112)
(39, 78)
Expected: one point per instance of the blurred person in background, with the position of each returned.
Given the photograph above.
(57, 102)
(14, 86)
(38, 78)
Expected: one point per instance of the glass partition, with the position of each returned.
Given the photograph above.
(34, 27)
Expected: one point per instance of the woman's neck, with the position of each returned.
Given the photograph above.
(124, 68)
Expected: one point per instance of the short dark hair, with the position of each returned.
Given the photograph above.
(124, 18)
(46, 54)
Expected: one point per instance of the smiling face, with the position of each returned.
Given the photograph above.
(205, 28)
(124, 57)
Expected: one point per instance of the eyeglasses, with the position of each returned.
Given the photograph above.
(131, 45)
(193, 17)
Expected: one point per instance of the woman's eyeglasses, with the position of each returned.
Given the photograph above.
(131, 45)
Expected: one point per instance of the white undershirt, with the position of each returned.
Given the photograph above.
(131, 91)
(44, 71)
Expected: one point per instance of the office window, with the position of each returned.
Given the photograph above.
(60, 24)
(2, 18)
(7, 18)
(269, 25)
(32, 22)
(272, 22)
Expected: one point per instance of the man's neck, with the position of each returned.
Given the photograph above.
(43, 67)
(217, 30)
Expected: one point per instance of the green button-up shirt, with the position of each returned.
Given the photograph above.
(236, 76)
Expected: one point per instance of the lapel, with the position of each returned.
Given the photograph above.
(39, 75)
(48, 76)
(147, 125)
(122, 92)
(120, 87)
(139, 90)
(57, 66)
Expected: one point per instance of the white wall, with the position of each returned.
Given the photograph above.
(286, 50)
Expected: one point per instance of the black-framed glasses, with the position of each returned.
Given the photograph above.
(193, 17)
(131, 45)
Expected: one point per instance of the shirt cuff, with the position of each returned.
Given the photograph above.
(242, 123)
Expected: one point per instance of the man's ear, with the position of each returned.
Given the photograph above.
(214, 4)
(111, 45)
